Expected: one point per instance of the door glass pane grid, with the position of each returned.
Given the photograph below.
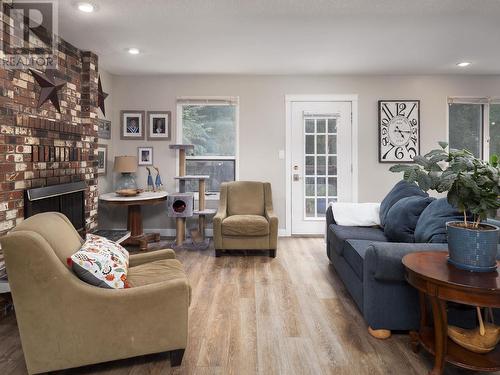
(320, 161)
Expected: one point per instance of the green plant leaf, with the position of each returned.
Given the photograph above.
(494, 160)
(471, 184)
(443, 145)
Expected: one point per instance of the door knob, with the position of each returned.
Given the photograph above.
(296, 177)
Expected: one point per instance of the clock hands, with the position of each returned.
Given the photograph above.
(402, 131)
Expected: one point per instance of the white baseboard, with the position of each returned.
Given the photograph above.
(282, 232)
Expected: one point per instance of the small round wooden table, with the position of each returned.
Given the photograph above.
(134, 215)
(436, 279)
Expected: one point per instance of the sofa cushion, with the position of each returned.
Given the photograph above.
(354, 255)
(339, 234)
(431, 226)
(401, 190)
(245, 225)
(101, 262)
(383, 260)
(402, 218)
(156, 272)
(245, 198)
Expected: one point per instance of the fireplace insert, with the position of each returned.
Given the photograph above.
(68, 199)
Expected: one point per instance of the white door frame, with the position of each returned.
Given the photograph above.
(289, 99)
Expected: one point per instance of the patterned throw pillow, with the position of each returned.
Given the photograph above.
(101, 262)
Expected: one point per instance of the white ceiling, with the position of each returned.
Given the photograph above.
(288, 36)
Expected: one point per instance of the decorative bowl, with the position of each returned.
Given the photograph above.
(128, 192)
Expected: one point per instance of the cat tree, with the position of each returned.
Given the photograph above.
(198, 237)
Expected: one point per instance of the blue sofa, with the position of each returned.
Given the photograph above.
(371, 269)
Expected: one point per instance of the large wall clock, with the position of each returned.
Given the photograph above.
(399, 130)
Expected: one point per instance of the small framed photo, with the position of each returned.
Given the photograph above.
(145, 155)
(159, 125)
(104, 129)
(102, 157)
(132, 125)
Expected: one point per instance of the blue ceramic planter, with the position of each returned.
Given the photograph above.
(473, 250)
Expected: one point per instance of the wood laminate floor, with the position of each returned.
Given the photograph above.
(258, 315)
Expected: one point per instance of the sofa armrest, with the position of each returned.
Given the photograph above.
(141, 258)
(330, 219)
(384, 259)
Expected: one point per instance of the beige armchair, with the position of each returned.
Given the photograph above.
(65, 322)
(245, 219)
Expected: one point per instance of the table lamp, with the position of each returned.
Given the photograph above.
(127, 166)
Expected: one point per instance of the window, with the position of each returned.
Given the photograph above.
(474, 125)
(211, 125)
(495, 129)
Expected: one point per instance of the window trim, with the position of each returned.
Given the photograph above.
(209, 100)
(485, 102)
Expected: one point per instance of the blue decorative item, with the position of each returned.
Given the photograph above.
(472, 249)
(158, 182)
(151, 186)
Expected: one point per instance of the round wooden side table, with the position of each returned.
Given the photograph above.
(436, 279)
(134, 215)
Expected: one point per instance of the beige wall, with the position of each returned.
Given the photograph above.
(262, 123)
(104, 182)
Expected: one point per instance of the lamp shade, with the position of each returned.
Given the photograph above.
(125, 164)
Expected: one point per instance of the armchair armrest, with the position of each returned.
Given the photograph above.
(141, 258)
(383, 260)
(217, 226)
(220, 216)
(272, 218)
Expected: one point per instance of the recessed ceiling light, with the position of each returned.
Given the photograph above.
(133, 51)
(463, 64)
(86, 7)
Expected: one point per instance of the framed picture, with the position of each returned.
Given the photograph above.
(399, 130)
(159, 125)
(104, 129)
(145, 155)
(102, 157)
(132, 125)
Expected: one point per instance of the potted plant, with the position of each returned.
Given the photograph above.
(472, 186)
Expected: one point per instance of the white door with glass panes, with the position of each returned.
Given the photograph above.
(321, 161)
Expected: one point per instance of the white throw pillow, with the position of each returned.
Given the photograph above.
(356, 214)
(101, 262)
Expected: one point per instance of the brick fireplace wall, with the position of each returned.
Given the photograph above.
(42, 147)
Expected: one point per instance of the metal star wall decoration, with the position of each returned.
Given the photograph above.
(101, 96)
(50, 86)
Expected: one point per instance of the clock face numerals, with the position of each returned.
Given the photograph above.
(399, 123)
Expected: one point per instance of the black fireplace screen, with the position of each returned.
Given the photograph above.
(68, 199)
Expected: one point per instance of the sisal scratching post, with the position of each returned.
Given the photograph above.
(182, 162)
(180, 231)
